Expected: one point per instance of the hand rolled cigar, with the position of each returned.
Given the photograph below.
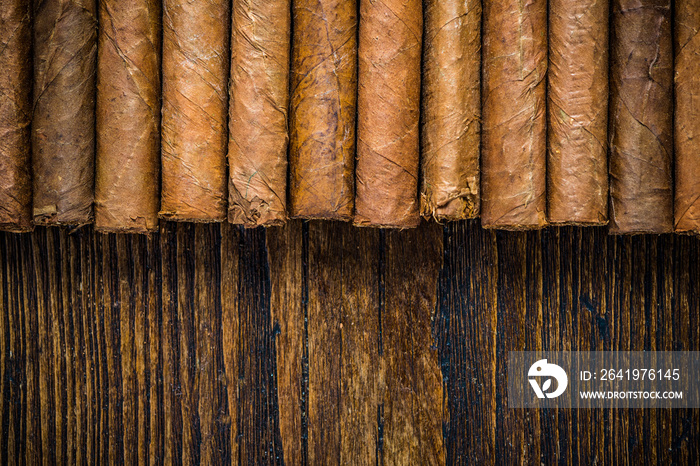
(15, 116)
(258, 137)
(322, 111)
(388, 110)
(577, 163)
(514, 126)
(451, 106)
(195, 100)
(641, 109)
(127, 185)
(63, 127)
(687, 116)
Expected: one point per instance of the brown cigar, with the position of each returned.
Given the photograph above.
(514, 128)
(258, 137)
(195, 73)
(577, 164)
(323, 105)
(687, 125)
(15, 111)
(451, 109)
(127, 185)
(641, 109)
(63, 127)
(388, 109)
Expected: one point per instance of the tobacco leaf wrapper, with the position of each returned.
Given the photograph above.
(127, 185)
(258, 137)
(15, 116)
(577, 165)
(641, 138)
(687, 116)
(63, 127)
(323, 107)
(451, 109)
(195, 102)
(388, 112)
(514, 122)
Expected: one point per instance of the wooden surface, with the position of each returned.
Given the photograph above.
(321, 343)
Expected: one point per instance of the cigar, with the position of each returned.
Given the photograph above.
(514, 126)
(127, 184)
(15, 116)
(63, 127)
(258, 137)
(388, 109)
(451, 110)
(641, 141)
(322, 111)
(687, 116)
(577, 156)
(195, 99)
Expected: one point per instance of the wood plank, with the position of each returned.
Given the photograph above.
(260, 441)
(326, 272)
(466, 331)
(12, 357)
(342, 302)
(324, 341)
(123, 345)
(360, 399)
(288, 259)
(510, 300)
(230, 331)
(686, 328)
(554, 423)
(151, 387)
(170, 350)
(212, 395)
(591, 332)
(412, 395)
(45, 306)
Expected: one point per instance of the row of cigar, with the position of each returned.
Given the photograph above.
(522, 113)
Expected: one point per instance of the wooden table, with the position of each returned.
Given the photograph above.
(323, 343)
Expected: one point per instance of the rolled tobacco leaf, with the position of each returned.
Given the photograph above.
(451, 109)
(323, 106)
(577, 164)
(687, 116)
(258, 137)
(15, 116)
(514, 125)
(195, 100)
(641, 117)
(388, 111)
(63, 127)
(127, 184)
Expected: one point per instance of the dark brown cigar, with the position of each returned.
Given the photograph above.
(323, 106)
(577, 164)
(15, 116)
(388, 111)
(687, 124)
(195, 99)
(258, 138)
(127, 184)
(63, 127)
(641, 109)
(514, 130)
(451, 103)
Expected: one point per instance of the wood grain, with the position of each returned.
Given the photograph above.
(213, 344)
(368, 363)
